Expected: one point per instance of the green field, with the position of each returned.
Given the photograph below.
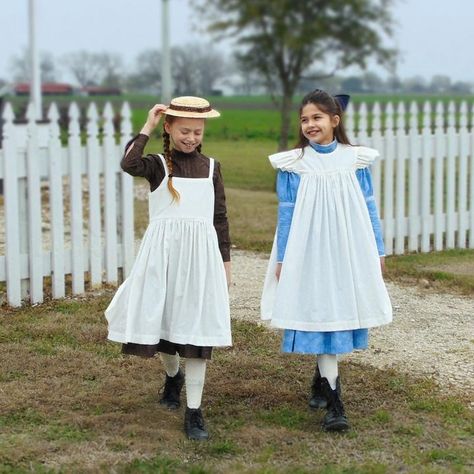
(246, 117)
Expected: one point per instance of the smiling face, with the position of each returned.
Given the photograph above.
(316, 125)
(186, 133)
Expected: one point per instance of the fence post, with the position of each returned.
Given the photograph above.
(75, 187)
(93, 171)
(35, 240)
(10, 193)
(56, 204)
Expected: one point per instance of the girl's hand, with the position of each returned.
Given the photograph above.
(228, 273)
(382, 264)
(153, 119)
(278, 270)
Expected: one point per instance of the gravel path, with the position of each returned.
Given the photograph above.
(431, 335)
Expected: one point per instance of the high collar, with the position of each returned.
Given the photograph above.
(182, 155)
(329, 148)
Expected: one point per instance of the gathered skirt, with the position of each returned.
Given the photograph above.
(331, 342)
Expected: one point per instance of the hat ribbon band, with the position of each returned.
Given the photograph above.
(183, 108)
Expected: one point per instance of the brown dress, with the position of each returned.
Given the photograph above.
(185, 165)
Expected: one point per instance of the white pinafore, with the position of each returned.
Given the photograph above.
(177, 288)
(331, 278)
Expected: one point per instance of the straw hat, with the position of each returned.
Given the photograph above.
(191, 107)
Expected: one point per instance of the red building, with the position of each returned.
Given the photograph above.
(47, 88)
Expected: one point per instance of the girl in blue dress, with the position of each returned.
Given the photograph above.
(324, 283)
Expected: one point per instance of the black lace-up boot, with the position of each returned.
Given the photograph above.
(172, 391)
(194, 425)
(335, 418)
(318, 398)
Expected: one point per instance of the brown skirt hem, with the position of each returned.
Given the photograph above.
(184, 350)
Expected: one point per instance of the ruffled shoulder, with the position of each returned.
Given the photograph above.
(286, 160)
(365, 156)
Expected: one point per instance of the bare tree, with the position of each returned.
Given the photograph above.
(85, 67)
(197, 68)
(184, 70)
(111, 66)
(147, 72)
(21, 68)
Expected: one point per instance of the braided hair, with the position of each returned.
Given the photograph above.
(329, 105)
(169, 162)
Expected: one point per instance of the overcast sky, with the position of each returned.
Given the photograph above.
(434, 36)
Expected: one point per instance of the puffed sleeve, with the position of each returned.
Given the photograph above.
(287, 189)
(286, 160)
(365, 181)
(365, 156)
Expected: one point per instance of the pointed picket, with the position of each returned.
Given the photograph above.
(389, 153)
(110, 195)
(93, 173)
(127, 230)
(11, 209)
(413, 179)
(401, 151)
(426, 157)
(462, 196)
(453, 149)
(35, 239)
(56, 204)
(75, 187)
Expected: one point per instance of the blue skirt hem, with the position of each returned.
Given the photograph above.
(333, 342)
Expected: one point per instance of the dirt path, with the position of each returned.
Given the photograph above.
(432, 334)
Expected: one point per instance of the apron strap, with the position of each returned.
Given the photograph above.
(165, 166)
(211, 168)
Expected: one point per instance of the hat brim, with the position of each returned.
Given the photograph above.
(181, 113)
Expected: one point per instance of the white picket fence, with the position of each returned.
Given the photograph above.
(424, 182)
(67, 210)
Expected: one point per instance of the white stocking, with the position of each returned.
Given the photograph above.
(327, 364)
(195, 372)
(171, 363)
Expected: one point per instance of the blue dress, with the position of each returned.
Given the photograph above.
(318, 342)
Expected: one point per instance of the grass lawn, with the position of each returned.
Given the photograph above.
(70, 402)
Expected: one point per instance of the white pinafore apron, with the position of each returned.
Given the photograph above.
(177, 288)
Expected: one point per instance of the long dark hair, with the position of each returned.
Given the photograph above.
(329, 105)
(169, 119)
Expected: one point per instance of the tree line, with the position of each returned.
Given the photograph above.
(282, 47)
(204, 69)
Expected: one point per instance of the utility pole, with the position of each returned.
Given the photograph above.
(165, 53)
(35, 75)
